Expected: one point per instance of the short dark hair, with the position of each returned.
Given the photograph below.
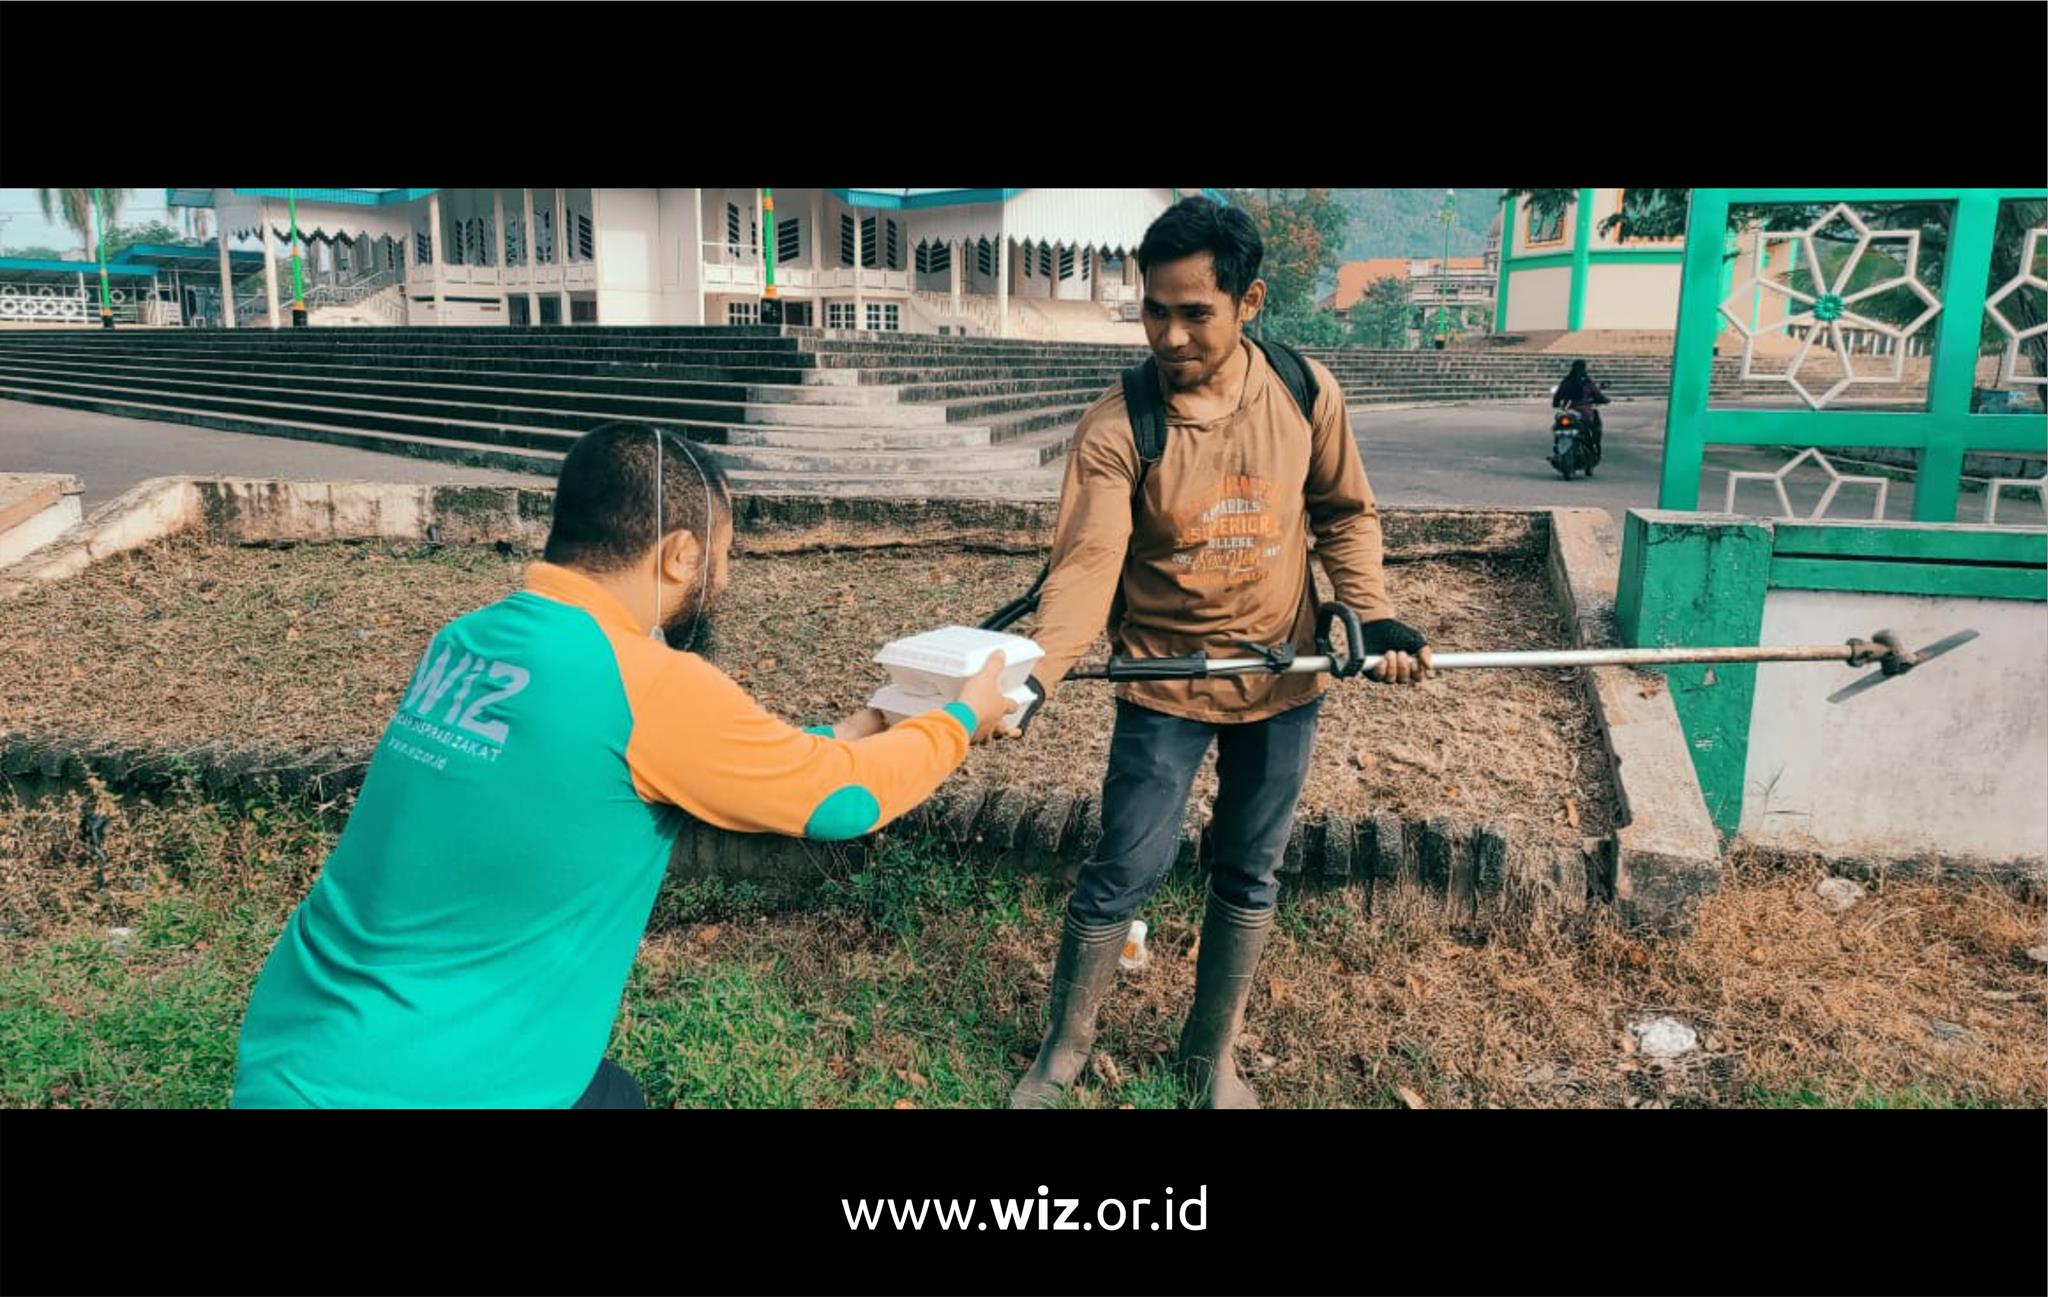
(604, 499)
(1201, 224)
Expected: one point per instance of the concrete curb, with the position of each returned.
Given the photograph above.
(1665, 853)
(35, 509)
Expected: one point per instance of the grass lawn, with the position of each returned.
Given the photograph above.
(921, 981)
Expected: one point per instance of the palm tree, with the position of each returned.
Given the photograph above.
(74, 208)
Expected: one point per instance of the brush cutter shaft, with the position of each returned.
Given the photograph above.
(1195, 668)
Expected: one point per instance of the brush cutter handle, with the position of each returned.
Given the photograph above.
(1353, 661)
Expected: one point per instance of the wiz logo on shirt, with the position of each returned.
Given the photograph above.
(436, 680)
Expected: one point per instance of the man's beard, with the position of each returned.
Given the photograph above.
(692, 628)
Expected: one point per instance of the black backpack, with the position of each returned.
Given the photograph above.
(1147, 410)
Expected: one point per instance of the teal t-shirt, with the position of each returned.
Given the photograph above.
(469, 939)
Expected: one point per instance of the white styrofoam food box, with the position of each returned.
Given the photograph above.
(939, 662)
(900, 704)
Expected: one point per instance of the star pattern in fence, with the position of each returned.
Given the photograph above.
(1836, 481)
(1829, 308)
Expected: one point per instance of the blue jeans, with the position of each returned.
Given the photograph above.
(1260, 768)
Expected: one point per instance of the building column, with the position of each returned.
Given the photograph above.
(860, 299)
(498, 249)
(562, 246)
(526, 255)
(270, 268)
(227, 285)
(1002, 285)
(955, 255)
(817, 258)
(1095, 275)
(437, 253)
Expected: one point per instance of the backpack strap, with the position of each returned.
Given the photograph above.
(1147, 411)
(1294, 372)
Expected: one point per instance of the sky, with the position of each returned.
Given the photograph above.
(22, 224)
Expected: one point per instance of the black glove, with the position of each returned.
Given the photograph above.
(1389, 636)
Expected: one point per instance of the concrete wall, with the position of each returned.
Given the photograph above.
(1539, 299)
(1949, 759)
(682, 224)
(35, 509)
(1625, 296)
(456, 311)
(628, 237)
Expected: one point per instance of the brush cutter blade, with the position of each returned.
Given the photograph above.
(1925, 655)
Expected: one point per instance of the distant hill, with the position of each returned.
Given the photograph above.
(1409, 223)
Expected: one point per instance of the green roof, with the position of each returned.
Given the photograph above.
(44, 266)
(348, 197)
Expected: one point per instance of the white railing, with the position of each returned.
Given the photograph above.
(350, 293)
(61, 305)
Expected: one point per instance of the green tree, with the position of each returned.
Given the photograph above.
(37, 252)
(73, 207)
(1312, 329)
(1379, 318)
(122, 237)
(1303, 231)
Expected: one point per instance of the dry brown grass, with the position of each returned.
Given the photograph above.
(190, 643)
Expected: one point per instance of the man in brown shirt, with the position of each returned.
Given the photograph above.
(1198, 553)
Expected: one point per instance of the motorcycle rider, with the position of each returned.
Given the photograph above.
(1581, 394)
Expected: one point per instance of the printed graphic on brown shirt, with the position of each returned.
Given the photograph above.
(1233, 535)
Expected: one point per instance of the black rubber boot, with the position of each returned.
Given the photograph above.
(1232, 941)
(1080, 979)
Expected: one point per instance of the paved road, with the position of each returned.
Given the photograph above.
(1494, 454)
(1468, 454)
(110, 455)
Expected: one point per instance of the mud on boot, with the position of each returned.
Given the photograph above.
(1080, 979)
(1232, 940)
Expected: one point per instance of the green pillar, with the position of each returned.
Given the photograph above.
(1582, 261)
(1696, 582)
(1443, 290)
(1692, 360)
(298, 277)
(771, 307)
(99, 215)
(1952, 382)
(1507, 247)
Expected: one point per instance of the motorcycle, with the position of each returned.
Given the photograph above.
(1571, 445)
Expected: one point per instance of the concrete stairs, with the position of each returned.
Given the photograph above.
(790, 410)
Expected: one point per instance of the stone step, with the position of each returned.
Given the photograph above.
(361, 346)
(964, 389)
(955, 435)
(1038, 484)
(601, 372)
(1018, 456)
(508, 435)
(461, 400)
(848, 416)
(1008, 427)
(799, 394)
(417, 446)
(983, 407)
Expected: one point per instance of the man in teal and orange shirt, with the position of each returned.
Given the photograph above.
(468, 941)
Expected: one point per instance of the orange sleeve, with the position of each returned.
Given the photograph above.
(702, 743)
